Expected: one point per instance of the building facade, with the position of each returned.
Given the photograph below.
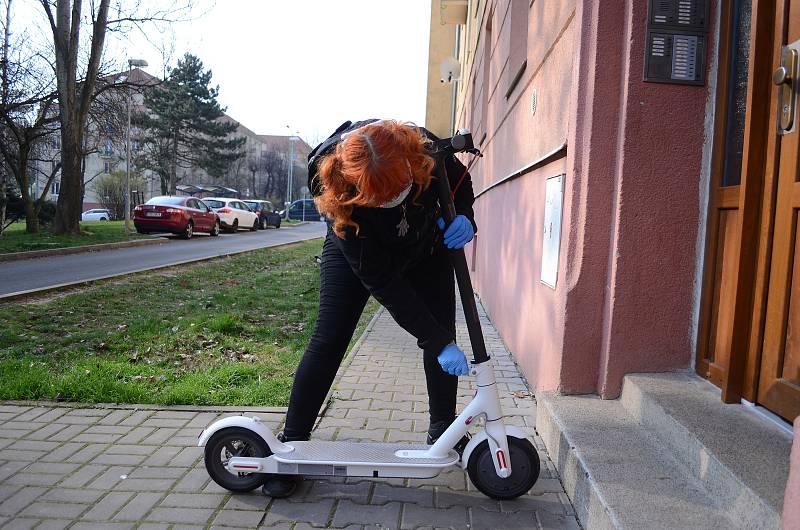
(106, 154)
(637, 197)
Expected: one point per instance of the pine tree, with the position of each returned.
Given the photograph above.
(182, 128)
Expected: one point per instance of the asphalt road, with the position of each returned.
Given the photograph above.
(43, 273)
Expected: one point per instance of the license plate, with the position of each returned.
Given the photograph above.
(152, 214)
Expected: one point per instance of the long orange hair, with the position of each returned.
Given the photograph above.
(371, 166)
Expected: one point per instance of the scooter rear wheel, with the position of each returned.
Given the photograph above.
(524, 470)
(230, 442)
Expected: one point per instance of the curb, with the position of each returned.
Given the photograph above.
(30, 254)
(144, 406)
(18, 295)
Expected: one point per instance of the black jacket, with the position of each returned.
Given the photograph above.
(381, 253)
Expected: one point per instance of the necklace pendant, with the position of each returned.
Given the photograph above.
(402, 226)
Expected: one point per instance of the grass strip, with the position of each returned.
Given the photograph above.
(226, 332)
(15, 239)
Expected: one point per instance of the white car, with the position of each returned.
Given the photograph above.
(96, 214)
(233, 213)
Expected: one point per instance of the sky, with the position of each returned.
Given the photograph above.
(307, 64)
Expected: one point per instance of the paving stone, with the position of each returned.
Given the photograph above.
(128, 449)
(144, 484)
(163, 422)
(48, 509)
(20, 523)
(108, 506)
(358, 492)
(153, 526)
(174, 414)
(159, 436)
(111, 459)
(415, 516)
(187, 457)
(7, 491)
(137, 418)
(19, 500)
(102, 526)
(83, 476)
(109, 478)
(136, 435)
(54, 524)
(108, 429)
(33, 479)
(115, 417)
(8, 469)
(485, 519)
(77, 495)
(446, 498)
(387, 515)
(549, 521)
(384, 493)
(252, 501)
(20, 455)
(239, 518)
(46, 431)
(138, 506)
(180, 515)
(87, 453)
(161, 456)
(193, 481)
(192, 500)
(453, 478)
(62, 452)
(157, 472)
(316, 513)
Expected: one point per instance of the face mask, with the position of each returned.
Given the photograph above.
(397, 200)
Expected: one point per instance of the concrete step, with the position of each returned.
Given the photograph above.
(668, 454)
(740, 457)
(617, 473)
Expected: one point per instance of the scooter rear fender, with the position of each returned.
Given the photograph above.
(250, 423)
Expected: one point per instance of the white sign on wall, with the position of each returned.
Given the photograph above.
(551, 239)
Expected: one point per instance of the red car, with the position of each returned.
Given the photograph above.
(178, 215)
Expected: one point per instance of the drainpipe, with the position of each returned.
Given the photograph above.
(454, 93)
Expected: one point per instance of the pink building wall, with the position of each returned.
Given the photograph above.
(631, 204)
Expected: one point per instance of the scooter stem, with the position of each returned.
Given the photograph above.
(459, 261)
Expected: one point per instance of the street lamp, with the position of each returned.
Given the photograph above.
(141, 63)
(289, 178)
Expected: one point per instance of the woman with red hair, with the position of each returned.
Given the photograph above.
(372, 181)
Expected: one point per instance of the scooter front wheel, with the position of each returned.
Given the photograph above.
(524, 470)
(227, 443)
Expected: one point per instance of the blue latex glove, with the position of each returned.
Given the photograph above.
(453, 360)
(459, 233)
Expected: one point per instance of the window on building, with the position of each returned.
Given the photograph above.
(517, 43)
(55, 143)
(108, 167)
(108, 148)
(56, 187)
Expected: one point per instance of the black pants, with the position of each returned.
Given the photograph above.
(341, 301)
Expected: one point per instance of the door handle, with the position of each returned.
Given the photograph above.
(785, 77)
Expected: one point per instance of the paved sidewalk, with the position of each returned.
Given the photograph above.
(127, 468)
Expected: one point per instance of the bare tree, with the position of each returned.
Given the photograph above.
(77, 82)
(110, 191)
(28, 118)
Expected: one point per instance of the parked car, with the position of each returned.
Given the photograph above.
(233, 213)
(267, 216)
(303, 210)
(96, 214)
(176, 215)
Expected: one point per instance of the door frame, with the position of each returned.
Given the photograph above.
(754, 199)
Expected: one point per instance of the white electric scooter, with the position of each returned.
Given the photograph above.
(239, 449)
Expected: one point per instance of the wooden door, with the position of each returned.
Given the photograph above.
(779, 379)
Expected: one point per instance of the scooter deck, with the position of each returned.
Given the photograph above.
(382, 454)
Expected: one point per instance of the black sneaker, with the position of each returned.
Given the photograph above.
(280, 486)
